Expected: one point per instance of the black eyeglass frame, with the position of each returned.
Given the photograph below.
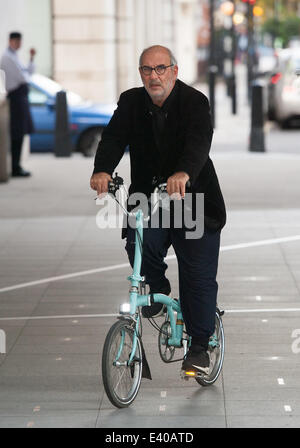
(162, 66)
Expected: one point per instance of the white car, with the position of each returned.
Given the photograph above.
(266, 59)
(284, 88)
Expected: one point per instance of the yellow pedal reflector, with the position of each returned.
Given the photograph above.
(190, 373)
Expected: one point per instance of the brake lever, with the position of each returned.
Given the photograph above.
(114, 185)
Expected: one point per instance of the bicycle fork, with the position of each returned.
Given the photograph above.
(132, 357)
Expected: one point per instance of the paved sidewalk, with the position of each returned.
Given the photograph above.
(50, 375)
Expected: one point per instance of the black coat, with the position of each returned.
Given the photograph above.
(186, 145)
(20, 117)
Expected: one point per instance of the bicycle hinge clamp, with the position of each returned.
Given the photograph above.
(136, 278)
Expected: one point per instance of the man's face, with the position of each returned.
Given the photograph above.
(15, 43)
(158, 87)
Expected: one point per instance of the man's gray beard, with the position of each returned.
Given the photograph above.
(157, 96)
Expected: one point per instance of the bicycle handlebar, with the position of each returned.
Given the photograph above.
(159, 184)
(160, 188)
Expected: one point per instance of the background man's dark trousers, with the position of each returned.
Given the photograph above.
(20, 125)
(197, 265)
(16, 150)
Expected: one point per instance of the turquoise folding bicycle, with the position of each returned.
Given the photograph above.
(123, 359)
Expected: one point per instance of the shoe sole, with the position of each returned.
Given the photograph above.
(196, 369)
(162, 312)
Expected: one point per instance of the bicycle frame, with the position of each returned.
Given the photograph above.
(137, 299)
(122, 372)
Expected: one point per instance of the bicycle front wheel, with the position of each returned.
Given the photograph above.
(121, 380)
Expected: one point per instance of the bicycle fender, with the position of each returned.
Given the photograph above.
(145, 369)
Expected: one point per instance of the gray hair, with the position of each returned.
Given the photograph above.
(173, 60)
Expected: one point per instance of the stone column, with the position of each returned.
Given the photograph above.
(84, 40)
(186, 39)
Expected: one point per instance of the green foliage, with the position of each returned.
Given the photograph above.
(290, 28)
(272, 26)
(284, 28)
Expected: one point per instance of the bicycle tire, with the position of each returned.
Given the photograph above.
(216, 355)
(121, 382)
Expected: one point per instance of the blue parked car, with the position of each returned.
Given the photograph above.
(87, 119)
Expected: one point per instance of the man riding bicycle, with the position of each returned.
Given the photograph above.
(167, 126)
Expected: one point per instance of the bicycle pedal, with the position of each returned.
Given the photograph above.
(187, 374)
(183, 376)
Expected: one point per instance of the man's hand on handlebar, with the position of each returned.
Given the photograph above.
(176, 185)
(99, 182)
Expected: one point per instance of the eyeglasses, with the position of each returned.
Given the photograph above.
(159, 69)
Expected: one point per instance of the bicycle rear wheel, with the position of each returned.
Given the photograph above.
(121, 380)
(166, 351)
(216, 351)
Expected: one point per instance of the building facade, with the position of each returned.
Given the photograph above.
(92, 47)
(97, 43)
(33, 19)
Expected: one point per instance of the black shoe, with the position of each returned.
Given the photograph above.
(21, 173)
(154, 310)
(157, 309)
(196, 361)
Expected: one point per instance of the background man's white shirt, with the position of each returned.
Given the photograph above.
(15, 72)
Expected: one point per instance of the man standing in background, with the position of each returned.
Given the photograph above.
(16, 79)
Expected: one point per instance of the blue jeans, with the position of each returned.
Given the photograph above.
(197, 266)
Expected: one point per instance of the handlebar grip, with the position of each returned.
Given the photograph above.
(158, 182)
